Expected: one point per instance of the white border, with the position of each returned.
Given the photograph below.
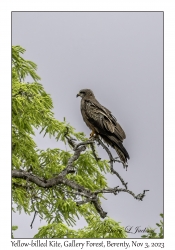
(5, 93)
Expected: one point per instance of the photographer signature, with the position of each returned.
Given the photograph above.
(137, 229)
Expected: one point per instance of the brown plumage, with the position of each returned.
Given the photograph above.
(100, 120)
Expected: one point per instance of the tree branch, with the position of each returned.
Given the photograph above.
(112, 160)
(94, 153)
(90, 196)
(117, 190)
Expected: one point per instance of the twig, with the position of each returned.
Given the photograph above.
(31, 225)
(35, 213)
(125, 184)
(69, 138)
(111, 161)
(117, 190)
(94, 153)
(107, 150)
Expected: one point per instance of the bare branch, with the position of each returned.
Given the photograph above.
(120, 178)
(106, 149)
(117, 190)
(35, 213)
(111, 161)
(70, 140)
(83, 143)
(94, 153)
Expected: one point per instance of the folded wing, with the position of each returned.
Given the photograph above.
(106, 125)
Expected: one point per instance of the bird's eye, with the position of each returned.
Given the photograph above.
(82, 92)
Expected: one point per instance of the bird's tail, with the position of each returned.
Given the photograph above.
(123, 157)
(121, 151)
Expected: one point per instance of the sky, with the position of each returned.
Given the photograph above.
(119, 55)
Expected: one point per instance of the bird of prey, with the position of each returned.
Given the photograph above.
(101, 121)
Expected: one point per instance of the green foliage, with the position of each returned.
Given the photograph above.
(151, 234)
(13, 229)
(23, 67)
(96, 228)
(32, 110)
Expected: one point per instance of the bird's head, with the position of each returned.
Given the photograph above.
(85, 93)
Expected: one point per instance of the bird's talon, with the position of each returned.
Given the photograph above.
(92, 134)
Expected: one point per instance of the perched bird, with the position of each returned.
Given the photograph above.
(100, 120)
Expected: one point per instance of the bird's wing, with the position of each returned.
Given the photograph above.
(103, 120)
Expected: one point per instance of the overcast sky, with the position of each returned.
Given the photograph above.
(119, 55)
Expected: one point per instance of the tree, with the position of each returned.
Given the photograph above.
(51, 183)
(151, 233)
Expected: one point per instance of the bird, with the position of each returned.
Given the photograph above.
(102, 123)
